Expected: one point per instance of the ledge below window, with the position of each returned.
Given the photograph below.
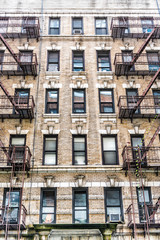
(51, 117)
(79, 117)
(107, 117)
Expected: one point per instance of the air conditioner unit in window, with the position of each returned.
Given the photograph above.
(114, 217)
(77, 31)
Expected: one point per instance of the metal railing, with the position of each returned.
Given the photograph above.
(142, 66)
(146, 156)
(134, 27)
(149, 108)
(20, 27)
(9, 67)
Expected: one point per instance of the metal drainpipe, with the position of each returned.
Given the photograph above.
(158, 6)
(36, 106)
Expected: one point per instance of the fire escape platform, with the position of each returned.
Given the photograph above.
(133, 27)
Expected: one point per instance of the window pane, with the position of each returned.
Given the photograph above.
(80, 217)
(53, 67)
(52, 108)
(78, 96)
(112, 198)
(50, 158)
(100, 23)
(101, 31)
(14, 199)
(54, 31)
(52, 96)
(106, 96)
(80, 199)
(79, 158)
(153, 57)
(47, 218)
(48, 198)
(79, 143)
(106, 108)
(50, 144)
(54, 23)
(137, 141)
(77, 23)
(18, 141)
(53, 57)
(146, 195)
(109, 143)
(110, 158)
(113, 210)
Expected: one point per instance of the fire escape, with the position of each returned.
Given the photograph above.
(16, 159)
(136, 158)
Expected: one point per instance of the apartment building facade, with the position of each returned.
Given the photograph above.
(79, 135)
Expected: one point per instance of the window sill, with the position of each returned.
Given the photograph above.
(51, 117)
(103, 73)
(76, 117)
(50, 73)
(106, 117)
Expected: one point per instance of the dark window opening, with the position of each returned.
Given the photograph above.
(79, 101)
(106, 101)
(78, 61)
(54, 26)
(79, 150)
(52, 97)
(101, 26)
(104, 64)
(53, 61)
(109, 150)
(50, 150)
(77, 26)
(80, 206)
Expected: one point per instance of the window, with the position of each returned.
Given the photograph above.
(22, 97)
(11, 200)
(3, 24)
(27, 21)
(106, 101)
(1, 59)
(132, 99)
(50, 150)
(123, 22)
(53, 61)
(109, 150)
(148, 200)
(101, 26)
(26, 58)
(48, 206)
(80, 205)
(113, 205)
(138, 142)
(127, 57)
(79, 150)
(156, 94)
(19, 141)
(79, 101)
(54, 26)
(78, 61)
(153, 61)
(77, 26)
(147, 25)
(104, 61)
(52, 101)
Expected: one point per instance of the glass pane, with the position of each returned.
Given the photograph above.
(11, 215)
(47, 218)
(79, 144)
(131, 93)
(106, 108)
(113, 210)
(80, 216)
(14, 199)
(77, 23)
(50, 144)
(48, 210)
(20, 141)
(26, 56)
(78, 96)
(54, 31)
(110, 158)
(137, 141)
(100, 23)
(106, 96)
(50, 158)
(146, 195)
(127, 57)
(52, 108)
(153, 57)
(109, 143)
(54, 23)
(48, 198)
(53, 67)
(52, 96)
(80, 199)
(101, 31)
(53, 57)
(112, 198)
(79, 108)
(79, 158)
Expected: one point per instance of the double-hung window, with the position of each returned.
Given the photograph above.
(78, 61)
(109, 150)
(106, 101)
(12, 204)
(79, 105)
(103, 61)
(52, 97)
(79, 150)
(132, 99)
(18, 141)
(101, 26)
(156, 94)
(147, 25)
(48, 206)
(124, 25)
(80, 205)
(153, 61)
(53, 61)
(54, 26)
(113, 205)
(77, 26)
(50, 150)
